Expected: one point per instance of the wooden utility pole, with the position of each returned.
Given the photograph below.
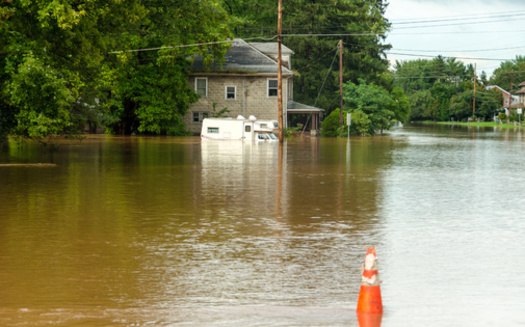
(341, 81)
(474, 102)
(280, 73)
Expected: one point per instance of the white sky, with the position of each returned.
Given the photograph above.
(495, 25)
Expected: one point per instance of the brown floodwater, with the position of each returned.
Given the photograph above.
(164, 231)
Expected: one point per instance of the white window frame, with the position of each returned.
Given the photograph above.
(205, 90)
(226, 92)
(276, 88)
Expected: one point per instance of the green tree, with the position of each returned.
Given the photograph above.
(375, 102)
(360, 124)
(331, 126)
(509, 71)
(461, 106)
(303, 22)
(151, 87)
(59, 69)
(430, 85)
(401, 107)
(420, 102)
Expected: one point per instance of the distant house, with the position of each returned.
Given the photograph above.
(508, 98)
(521, 94)
(246, 84)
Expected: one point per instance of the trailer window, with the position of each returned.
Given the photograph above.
(248, 128)
(214, 130)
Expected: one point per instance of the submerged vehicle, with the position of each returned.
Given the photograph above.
(241, 129)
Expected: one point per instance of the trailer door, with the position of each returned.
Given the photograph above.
(248, 131)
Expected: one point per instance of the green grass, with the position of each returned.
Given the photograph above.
(480, 124)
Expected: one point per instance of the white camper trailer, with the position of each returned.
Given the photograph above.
(266, 124)
(240, 129)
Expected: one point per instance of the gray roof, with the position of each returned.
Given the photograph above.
(301, 108)
(241, 58)
(271, 48)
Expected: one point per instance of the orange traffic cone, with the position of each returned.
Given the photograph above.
(370, 294)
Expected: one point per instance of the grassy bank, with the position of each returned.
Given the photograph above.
(480, 124)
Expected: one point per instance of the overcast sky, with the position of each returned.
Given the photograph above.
(473, 31)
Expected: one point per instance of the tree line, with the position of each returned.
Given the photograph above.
(124, 65)
(68, 64)
(444, 89)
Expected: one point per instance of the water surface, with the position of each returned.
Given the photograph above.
(171, 231)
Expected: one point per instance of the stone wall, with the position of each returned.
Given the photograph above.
(251, 98)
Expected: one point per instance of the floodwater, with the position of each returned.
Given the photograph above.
(137, 231)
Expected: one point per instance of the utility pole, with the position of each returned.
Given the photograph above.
(341, 81)
(474, 102)
(280, 73)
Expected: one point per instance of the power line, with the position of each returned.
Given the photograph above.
(462, 17)
(479, 50)
(456, 24)
(465, 58)
(246, 39)
(460, 32)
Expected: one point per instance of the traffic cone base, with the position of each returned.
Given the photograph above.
(370, 299)
(369, 319)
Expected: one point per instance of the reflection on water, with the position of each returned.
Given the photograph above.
(169, 231)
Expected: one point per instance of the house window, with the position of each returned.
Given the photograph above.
(199, 116)
(230, 92)
(272, 88)
(214, 130)
(201, 86)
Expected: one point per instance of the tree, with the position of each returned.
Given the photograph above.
(376, 103)
(151, 88)
(419, 101)
(59, 68)
(430, 85)
(509, 71)
(461, 106)
(401, 107)
(303, 23)
(360, 125)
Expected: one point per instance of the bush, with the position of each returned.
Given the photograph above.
(361, 125)
(331, 125)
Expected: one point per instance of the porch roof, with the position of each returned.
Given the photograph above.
(300, 108)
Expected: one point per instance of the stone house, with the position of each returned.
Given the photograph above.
(246, 84)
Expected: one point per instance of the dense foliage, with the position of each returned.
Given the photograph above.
(306, 24)
(373, 109)
(508, 72)
(123, 65)
(443, 89)
(59, 71)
